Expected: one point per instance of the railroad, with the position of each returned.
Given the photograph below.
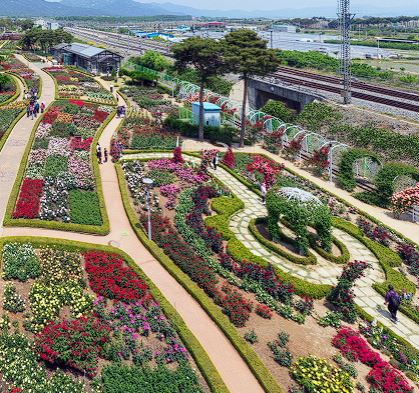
(334, 87)
(355, 84)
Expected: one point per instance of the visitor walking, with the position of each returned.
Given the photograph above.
(393, 301)
(215, 161)
(105, 154)
(43, 106)
(31, 110)
(263, 192)
(36, 108)
(28, 110)
(99, 153)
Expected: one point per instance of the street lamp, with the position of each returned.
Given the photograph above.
(148, 183)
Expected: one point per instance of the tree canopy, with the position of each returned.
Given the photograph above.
(44, 39)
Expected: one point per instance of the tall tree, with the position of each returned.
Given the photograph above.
(206, 57)
(247, 54)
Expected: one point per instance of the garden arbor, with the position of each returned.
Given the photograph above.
(299, 209)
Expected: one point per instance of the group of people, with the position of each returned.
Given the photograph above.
(121, 111)
(34, 107)
(99, 154)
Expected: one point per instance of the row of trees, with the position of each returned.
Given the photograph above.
(240, 52)
(44, 39)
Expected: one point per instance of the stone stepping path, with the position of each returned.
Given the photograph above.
(325, 272)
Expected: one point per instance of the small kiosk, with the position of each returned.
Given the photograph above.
(212, 114)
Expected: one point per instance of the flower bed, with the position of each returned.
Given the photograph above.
(59, 181)
(383, 377)
(142, 133)
(7, 91)
(8, 114)
(75, 84)
(15, 66)
(149, 98)
(66, 332)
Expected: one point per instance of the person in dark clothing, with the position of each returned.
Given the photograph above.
(393, 301)
(105, 154)
(99, 153)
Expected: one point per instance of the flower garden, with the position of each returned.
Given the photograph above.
(58, 181)
(30, 78)
(140, 132)
(284, 319)
(79, 85)
(8, 89)
(79, 319)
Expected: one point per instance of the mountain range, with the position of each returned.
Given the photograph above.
(27, 8)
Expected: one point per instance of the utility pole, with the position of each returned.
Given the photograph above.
(345, 19)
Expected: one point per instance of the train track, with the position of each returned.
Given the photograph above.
(119, 41)
(355, 84)
(337, 89)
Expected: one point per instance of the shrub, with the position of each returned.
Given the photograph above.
(264, 311)
(251, 337)
(281, 355)
(235, 305)
(279, 110)
(84, 208)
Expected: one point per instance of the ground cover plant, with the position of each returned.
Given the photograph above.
(84, 322)
(79, 85)
(59, 182)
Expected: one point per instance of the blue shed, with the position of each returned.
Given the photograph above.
(212, 114)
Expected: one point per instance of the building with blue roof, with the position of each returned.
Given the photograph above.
(212, 114)
(88, 57)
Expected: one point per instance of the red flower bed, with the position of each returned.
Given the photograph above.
(28, 204)
(100, 116)
(51, 115)
(109, 277)
(229, 159)
(264, 311)
(81, 144)
(383, 377)
(77, 102)
(235, 305)
(73, 343)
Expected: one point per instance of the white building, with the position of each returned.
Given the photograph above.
(284, 28)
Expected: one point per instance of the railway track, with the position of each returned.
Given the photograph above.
(337, 89)
(355, 84)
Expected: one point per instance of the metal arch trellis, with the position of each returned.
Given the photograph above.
(367, 167)
(402, 182)
(335, 155)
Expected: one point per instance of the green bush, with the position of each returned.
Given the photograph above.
(384, 181)
(279, 110)
(84, 208)
(317, 114)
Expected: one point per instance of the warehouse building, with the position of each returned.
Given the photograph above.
(90, 58)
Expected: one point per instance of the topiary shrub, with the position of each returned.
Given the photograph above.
(300, 209)
(346, 177)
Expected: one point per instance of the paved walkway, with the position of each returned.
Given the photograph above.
(409, 229)
(325, 272)
(12, 152)
(232, 368)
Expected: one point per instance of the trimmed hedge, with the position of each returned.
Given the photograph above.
(388, 259)
(310, 259)
(341, 259)
(70, 227)
(201, 358)
(225, 207)
(346, 178)
(257, 367)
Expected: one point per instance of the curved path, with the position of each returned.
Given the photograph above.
(232, 368)
(324, 272)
